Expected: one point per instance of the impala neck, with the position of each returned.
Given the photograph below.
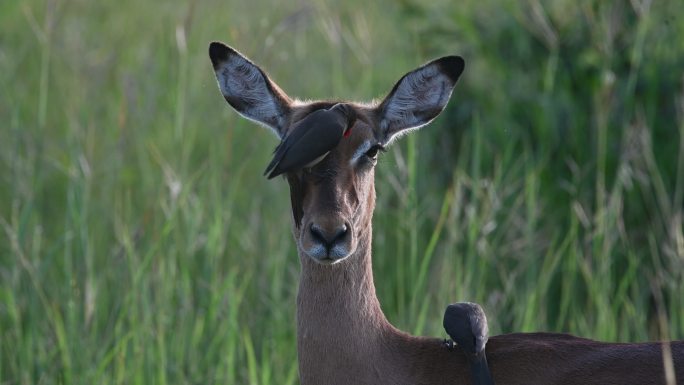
(340, 325)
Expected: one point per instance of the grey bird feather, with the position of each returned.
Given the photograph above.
(466, 324)
(311, 139)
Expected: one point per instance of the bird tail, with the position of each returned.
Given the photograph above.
(277, 156)
(479, 371)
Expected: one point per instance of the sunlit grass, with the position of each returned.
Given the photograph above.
(139, 243)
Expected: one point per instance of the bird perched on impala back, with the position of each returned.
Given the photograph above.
(466, 324)
(311, 139)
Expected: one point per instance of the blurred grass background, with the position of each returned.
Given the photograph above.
(139, 243)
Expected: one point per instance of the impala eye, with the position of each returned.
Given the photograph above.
(373, 151)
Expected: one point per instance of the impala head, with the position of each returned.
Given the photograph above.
(333, 199)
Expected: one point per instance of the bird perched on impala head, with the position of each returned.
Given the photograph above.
(311, 139)
(466, 324)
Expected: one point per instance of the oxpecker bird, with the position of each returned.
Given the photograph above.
(466, 324)
(311, 139)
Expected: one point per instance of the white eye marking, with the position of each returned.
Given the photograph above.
(363, 148)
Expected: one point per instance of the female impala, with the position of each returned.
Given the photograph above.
(342, 335)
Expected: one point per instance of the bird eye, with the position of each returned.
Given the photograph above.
(373, 151)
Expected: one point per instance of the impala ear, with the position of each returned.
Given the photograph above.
(418, 97)
(249, 90)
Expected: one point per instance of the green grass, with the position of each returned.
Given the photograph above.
(139, 243)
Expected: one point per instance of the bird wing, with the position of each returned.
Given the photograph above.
(478, 323)
(293, 136)
(466, 324)
(312, 138)
(457, 325)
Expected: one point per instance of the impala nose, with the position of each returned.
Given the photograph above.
(328, 237)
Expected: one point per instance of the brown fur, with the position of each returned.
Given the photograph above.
(343, 338)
